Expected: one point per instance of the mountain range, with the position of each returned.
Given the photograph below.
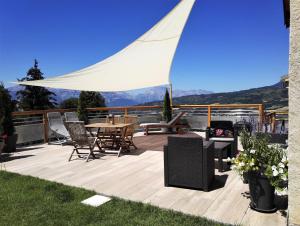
(127, 98)
(273, 97)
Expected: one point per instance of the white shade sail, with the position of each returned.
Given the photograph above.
(144, 63)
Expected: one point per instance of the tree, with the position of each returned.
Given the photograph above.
(167, 110)
(88, 100)
(69, 103)
(6, 109)
(34, 97)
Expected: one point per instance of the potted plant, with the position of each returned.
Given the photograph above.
(167, 110)
(7, 134)
(265, 167)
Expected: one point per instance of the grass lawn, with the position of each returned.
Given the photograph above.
(31, 201)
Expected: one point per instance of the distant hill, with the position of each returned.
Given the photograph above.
(272, 97)
(128, 98)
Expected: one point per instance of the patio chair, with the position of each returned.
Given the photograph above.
(189, 162)
(223, 131)
(110, 135)
(71, 116)
(81, 140)
(131, 129)
(173, 124)
(57, 127)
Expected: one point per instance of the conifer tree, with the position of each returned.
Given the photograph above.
(167, 110)
(34, 97)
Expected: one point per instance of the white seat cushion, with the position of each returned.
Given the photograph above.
(152, 124)
(222, 138)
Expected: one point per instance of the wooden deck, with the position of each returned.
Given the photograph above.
(138, 176)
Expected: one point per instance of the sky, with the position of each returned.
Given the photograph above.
(226, 45)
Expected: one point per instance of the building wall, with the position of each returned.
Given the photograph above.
(294, 114)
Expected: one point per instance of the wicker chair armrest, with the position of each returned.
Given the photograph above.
(207, 132)
(209, 145)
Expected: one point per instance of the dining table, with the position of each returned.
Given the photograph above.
(116, 132)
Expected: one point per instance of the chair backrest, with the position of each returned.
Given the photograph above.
(117, 119)
(77, 132)
(222, 125)
(175, 120)
(221, 128)
(71, 116)
(185, 160)
(131, 119)
(56, 123)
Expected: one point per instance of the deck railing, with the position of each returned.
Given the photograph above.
(207, 113)
(277, 119)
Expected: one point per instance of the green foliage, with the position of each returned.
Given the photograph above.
(88, 100)
(34, 97)
(258, 155)
(167, 110)
(27, 200)
(6, 109)
(69, 103)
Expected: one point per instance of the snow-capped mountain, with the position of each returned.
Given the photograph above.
(127, 98)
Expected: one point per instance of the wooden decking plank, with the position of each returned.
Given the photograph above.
(139, 176)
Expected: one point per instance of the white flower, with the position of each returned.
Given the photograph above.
(251, 163)
(242, 150)
(280, 170)
(284, 159)
(275, 173)
(283, 177)
(273, 168)
(233, 167)
(252, 151)
(228, 159)
(241, 164)
(281, 165)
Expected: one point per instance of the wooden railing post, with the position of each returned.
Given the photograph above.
(45, 125)
(261, 117)
(125, 111)
(208, 115)
(273, 122)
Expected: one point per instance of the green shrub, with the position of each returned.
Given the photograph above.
(69, 103)
(88, 100)
(260, 156)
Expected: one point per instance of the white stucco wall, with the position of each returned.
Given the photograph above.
(294, 115)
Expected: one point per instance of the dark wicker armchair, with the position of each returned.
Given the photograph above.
(189, 162)
(223, 131)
